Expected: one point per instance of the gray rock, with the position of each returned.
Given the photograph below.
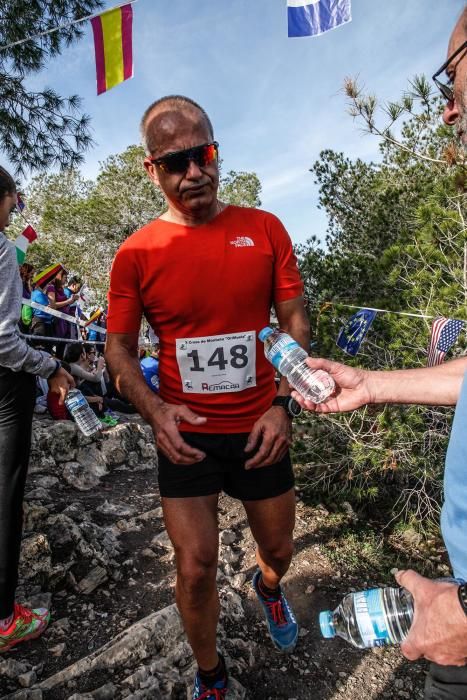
(47, 482)
(228, 537)
(57, 650)
(93, 580)
(105, 692)
(38, 494)
(78, 476)
(35, 557)
(162, 540)
(63, 437)
(119, 509)
(12, 668)
(26, 680)
(155, 514)
(35, 516)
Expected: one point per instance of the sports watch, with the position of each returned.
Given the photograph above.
(290, 406)
(462, 593)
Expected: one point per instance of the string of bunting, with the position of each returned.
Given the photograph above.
(444, 331)
(113, 33)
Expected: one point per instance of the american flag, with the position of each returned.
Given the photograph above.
(444, 333)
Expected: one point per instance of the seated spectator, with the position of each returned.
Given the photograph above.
(79, 360)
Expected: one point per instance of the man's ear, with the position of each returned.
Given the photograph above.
(151, 171)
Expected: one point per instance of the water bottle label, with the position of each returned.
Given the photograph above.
(282, 348)
(371, 621)
(75, 402)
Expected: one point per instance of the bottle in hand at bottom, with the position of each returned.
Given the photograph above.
(375, 618)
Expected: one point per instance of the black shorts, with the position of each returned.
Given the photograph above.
(223, 469)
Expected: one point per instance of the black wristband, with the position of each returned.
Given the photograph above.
(462, 593)
(57, 367)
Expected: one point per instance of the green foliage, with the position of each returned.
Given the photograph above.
(242, 189)
(39, 130)
(396, 240)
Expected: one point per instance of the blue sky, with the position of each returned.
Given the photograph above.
(275, 102)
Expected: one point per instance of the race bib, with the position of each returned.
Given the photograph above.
(217, 364)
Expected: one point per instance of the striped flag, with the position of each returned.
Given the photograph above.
(113, 45)
(314, 17)
(22, 243)
(45, 276)
(94, 316)
(444, 333)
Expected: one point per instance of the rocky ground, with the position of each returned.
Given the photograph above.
(95, 550)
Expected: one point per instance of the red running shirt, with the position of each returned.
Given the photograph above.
(207, 291)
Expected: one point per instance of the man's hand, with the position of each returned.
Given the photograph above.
(352, 388)
(439, 628)
(274, 430)
(61, 383)
(165, 420)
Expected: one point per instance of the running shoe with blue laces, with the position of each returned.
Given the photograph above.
(283, 627)
(217, 692)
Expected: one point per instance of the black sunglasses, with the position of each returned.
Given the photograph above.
(179, 161)
(446, 89)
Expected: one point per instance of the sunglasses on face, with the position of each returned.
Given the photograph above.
(179, 161)
(446, 88)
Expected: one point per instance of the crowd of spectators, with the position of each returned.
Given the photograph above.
(83, 360)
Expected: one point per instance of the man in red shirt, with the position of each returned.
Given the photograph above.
(205, 276)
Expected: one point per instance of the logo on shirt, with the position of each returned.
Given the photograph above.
(242, 242)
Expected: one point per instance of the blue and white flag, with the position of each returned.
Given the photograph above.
(354, 331)
(314, 17)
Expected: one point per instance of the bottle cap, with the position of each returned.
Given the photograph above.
(325, 623)
(264, 333)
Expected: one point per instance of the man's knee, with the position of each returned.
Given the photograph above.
(196, 574)
(278, 551)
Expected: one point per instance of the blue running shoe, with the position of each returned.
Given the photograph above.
(283, 627)
(217, 692)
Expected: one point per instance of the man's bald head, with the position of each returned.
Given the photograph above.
(164, 116)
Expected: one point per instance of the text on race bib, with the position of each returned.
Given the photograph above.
(217, 363)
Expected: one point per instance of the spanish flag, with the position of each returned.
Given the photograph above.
(113, 45)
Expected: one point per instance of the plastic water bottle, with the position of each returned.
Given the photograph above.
(82, 413)
(289, 359)
(376, 618)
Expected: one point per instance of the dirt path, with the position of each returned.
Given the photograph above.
(138, 579)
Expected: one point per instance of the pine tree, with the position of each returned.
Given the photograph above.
(39, 130)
